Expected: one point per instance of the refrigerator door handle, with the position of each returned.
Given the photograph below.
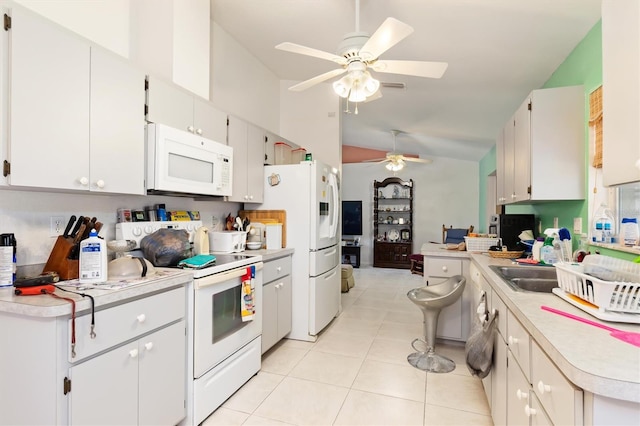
(333, 187)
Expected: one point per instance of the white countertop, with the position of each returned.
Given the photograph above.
(441, 250)
(588, 356)
(48, 306)
(271, 254)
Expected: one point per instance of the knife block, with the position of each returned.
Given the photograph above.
(59, 260)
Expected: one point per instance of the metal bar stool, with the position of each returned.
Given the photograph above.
(431, 299)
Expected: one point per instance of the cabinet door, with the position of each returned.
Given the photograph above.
(500, 171)
(117, 125)
(499, 386)
(49, 104)
(509, 165)
(104, 390)
(170, 105)
(209, 121)
(255, 167)
(238, 141)
(162, 376)
(522, 153)
(517, 395)
(269, 316)
(285, 307)
(621, 92)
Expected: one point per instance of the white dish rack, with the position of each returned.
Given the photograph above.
(610, 286)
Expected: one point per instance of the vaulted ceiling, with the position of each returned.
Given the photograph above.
(497, 51)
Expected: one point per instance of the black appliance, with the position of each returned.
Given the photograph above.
(351, 217)
(509, 226)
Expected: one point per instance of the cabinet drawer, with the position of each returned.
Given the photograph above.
(438, 267)
(275, 269)
(126, 321)
(559, 397)
(518, 340)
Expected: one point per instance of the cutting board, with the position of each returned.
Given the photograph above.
(268, 216)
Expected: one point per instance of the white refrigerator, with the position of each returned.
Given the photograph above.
(309, 193)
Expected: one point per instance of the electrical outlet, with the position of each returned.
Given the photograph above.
(57, 226)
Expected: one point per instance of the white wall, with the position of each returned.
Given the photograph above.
(445, 192)
(242, 85)
(312, 119)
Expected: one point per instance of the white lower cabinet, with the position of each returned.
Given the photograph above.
(499, 372)
(454, 321)
(518, 393)
(276, 301)
(134, 370)
(142, 381)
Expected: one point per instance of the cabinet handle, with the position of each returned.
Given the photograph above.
(83, 181)
(513, 340)
(133, 353)
(141, 318)
(542, 388)
(529, 411)
(279, 268)
(521, 395)
(445, 269)
(251, 197)
(199, 131)
(148, 346)
(246, 197)
(100, 183)
(190, 129)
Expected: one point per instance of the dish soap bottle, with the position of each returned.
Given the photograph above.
(535, 251)
(93, 259)
(547, 253)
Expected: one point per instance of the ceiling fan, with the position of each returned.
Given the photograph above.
(395, 160)
(358, 53)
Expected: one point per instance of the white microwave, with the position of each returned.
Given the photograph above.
(179, 162)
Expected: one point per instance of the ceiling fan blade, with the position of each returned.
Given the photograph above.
(418, 160)
(375, 160)
(304, 50)
(317, 79)
(415, 68)
(390, 33)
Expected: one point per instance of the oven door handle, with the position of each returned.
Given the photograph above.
(224, 276)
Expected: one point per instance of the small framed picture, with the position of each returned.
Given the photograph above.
(139, 216)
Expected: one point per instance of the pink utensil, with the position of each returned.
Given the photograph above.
(631, 337)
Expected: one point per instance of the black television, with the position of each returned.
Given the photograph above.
(351, 217)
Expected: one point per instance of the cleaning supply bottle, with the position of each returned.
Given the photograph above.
(547, 252)
(603, 225)
(535, 251)
(629, 231)
(93, 259)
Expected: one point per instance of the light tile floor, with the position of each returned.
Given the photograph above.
(357, 371)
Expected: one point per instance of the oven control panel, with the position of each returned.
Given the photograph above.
(136, 231)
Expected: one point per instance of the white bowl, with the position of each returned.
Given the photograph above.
(254, 245)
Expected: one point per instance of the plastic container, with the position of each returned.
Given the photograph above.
(535, 251)
(298, 155)
(603, 231)
(282, 153)
(480, 243)
(547, 253)
(629, 231)
(93, 259)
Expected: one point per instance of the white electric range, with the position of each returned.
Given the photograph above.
(223, 351)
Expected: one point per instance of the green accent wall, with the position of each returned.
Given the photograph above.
(583, 66)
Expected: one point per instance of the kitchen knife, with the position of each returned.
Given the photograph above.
(76, 228)
(72, 219)
(97, 226)
(79, 234)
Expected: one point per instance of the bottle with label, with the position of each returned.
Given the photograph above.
(603, 231)
(93, 259)
(547, 252)
(535, 250)
(7, 260)
(629, 231)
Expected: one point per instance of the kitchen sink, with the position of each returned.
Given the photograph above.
(540, 279)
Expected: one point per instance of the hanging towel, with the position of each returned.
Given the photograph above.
(247, 302)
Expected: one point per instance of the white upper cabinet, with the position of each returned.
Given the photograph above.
(117, 125)
(77, 117)
(621, 91)
(247, 141)
(542, 153)
(49, 104)
(171, 105)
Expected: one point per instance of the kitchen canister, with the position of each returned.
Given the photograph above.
(7, 260)
(273, 234)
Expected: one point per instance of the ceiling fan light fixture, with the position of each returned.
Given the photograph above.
(357, 85)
